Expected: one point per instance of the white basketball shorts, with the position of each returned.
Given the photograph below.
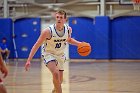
(51, 57)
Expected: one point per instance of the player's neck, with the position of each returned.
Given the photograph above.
(59, 27)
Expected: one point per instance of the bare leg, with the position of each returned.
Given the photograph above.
(8, 53)
(61, 80)
(2, 89)
(56, 76)
(61, 76)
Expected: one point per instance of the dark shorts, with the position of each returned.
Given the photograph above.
(4, 55)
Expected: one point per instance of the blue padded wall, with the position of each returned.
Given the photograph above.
(125, 37)
(6, 31)
(83, 30)
(96, 32)
(101, 41)
(27, 31)
(110, 39)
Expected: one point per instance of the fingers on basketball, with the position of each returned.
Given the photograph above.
(84, 49)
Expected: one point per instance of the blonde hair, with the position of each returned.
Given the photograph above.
(62, 12)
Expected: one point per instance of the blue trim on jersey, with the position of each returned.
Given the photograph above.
(57, 33)
(43, 47)
(68, 29)
(44, 58)
(54, 60)
(51, 33)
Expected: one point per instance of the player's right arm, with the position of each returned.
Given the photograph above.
(43, 36)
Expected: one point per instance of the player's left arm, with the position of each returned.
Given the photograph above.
(72, 40)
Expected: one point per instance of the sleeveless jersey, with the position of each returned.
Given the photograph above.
(56, 44)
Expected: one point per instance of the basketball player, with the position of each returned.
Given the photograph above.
(4, 71)
(54, 40)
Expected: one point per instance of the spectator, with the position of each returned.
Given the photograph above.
(4, 50)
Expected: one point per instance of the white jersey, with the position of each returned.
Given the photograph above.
(56, 44)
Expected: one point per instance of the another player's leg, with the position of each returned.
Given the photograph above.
(4, 55)
(7, 55)
(56, 76)
(2, 87)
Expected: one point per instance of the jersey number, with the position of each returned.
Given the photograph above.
(58, 45)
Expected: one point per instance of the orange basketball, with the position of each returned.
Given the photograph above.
(84, 49)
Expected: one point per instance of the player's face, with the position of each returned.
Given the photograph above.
(60, 19)
(4, 41)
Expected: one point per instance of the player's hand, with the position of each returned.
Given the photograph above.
(86, 43)
(27, 65)
(4, 71)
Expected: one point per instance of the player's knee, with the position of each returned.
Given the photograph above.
(56, 74)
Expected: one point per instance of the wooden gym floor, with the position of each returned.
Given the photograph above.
(80, 77)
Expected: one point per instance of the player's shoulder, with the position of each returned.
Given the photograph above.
(46, 32)
(68, 27)
(48, 28)
(51, 26)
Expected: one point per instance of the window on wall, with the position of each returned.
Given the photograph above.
(62, 1)
(126, 2)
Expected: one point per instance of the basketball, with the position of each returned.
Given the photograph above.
(84, 49)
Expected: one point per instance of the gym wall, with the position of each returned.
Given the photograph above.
(27, 31)
(110, 38)
(116, 38)
(125, 36)
(82, 30)
(6, 31)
